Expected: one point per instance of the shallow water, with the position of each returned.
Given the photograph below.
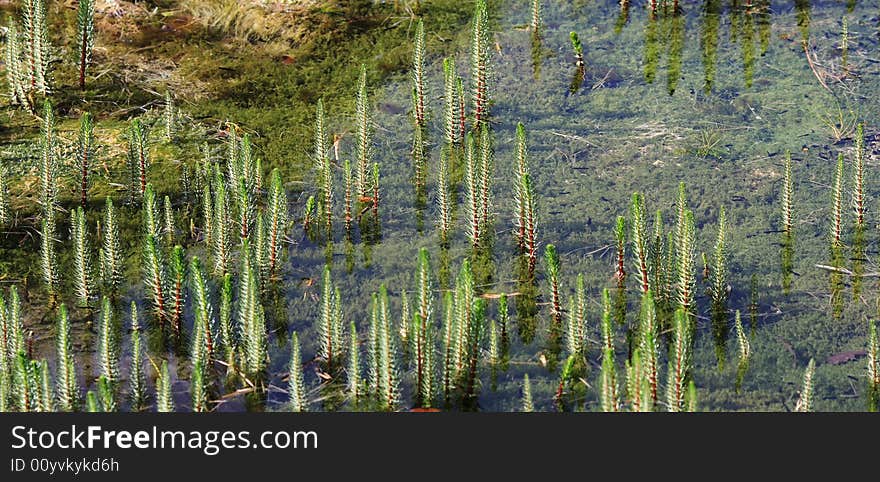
(712, 97)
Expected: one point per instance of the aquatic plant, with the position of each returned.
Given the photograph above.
(376, 192)
(155, 279)
(487, 166)
(858, 172)
(418, 74)
(164, 398)
(66, 385)
(648, 345)
(309, 213)
(837, 206)
(576, 322)
(348, 189)
(608, 377)
(47, 256)
(551, 260)
(82, 257)
(805, 402)
(527, 404)
(108, 343)
(85, 152)
(168, 221)
(640, 239)
(15, 77)
(745, 351)
(384, 377)
(528, 223)
(251, 319)
(106, 395)
(170, 116)
(679, 362)
(5, 209)
(353, 373)
(220, 226)
(423, 336)
(137, 379)
(684, 252)
(720, 290)
(198, 386)
(37, 47)
(363, 137)
(278, 218)
(788, 197)
(578, 48)
(536, 23)
(444, 202)
(110, 256)
(472, 187)
(138, 158)
(151, 213)
(620, 252)
(85, 22)
(480, 63)
(227, 333)
(244, 209)
(638, 392)
(204, 330)
(450, 103)
(296, 391)
(330, 325)
(873, 365)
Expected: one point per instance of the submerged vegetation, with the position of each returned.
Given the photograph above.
(373, 206)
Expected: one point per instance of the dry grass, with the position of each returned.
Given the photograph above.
(251, 20)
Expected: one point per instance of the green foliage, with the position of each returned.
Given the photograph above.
(418, 74)
(788, 196)
(5, 209)
(138, 158)
(873, 365)
(745, 351)
(137, 379)
(82, 257)
(251, 320)
(227, 333)
(204, 330)
(423, 334)
(679, 362)
(648, 344)
(170, 117)
(837, 205)
(177, 283)
(640, 239)
(15, 76)
(67, 387)
(384, 371)
(220, 224)
(85, 21)
(576, 44)
(168, 218)
(805, 402)
(450, 103)
(527, 404)
(353, 374)
(480, 53)
(363, 137)
(198, 386)
(111, 253)
(444, 202)
(155, 279)
(37, 51)
(296, 385)
(551, 260)
(330, 323)
(164, 398)
(85, 153)
(108, 343)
